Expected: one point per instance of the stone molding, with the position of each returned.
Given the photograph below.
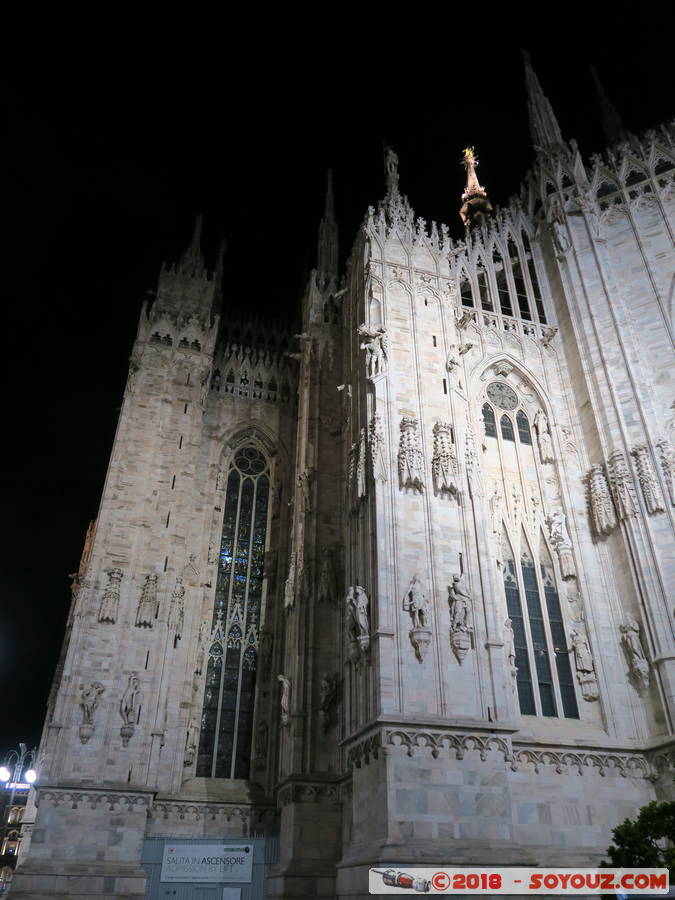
(248, 813)
(308, 792)
(92, 798)
(648, 764)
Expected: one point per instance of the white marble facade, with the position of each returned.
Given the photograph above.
(393, 726)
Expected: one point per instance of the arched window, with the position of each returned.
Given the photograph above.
(514, 608)
(519, 282)
(524, 433)
(489, 421)
(502, 285)
(534, 281)
(229, 693)
(465, 290)
(507, 428)
(484, 291)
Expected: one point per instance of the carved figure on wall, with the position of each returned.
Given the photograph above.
(444, 461)
(632, 642)
(148, 605)
(378, 454)
(212, 555)
(561, 543)
(544, 437)
(548, 336)
(304, 482)
(285, 701)
(496, 509)
(602, 508)
(190, 743)
(647, 479)
(623, 487)
(667, 457)
(460, 617)
(416, 603)
(510, 649)
(410, 456)
(221, 480)
(289, 587)
(177, 609)
(327, 697)
(376, 347)
(89, 698)
(110, 601)
(191, 565)
(361, 465)
(584, 665)
(473, 466)
(357, 610)
(129, 706)
(464, 317)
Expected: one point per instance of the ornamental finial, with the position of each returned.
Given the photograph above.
(475, 204)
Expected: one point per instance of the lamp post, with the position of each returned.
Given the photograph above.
(17, 770)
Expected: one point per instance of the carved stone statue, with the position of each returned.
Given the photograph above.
(473, 467)
(667, 457)
(289, 587)
(285, 701)
(544, 437)
(376, 347)
(585, 666)
(327, 697)
(378, 454)
(304, 482)
(416, 603)
(110, 601)
(561, 542)
(129, 706)
(602, 507)
(410, 456)
(496, 510)
(357, 610)
(148, 605)
(623, 487)
(460, 604)
(510, 649)
(361, 465)
(191, 743)
(647, 479)
(637, 660)
(177, 609)
(88, 702)
(444, 461)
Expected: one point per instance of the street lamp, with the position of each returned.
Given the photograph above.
(16, 772)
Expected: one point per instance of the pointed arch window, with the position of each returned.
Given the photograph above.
(229, 691)
(514, 607)
(489, 421)
(507, 428)
(524, 433)
(465, 290)
(562, 659)
(484, 291)
(519, 282)
(534, 281)
(502, 285)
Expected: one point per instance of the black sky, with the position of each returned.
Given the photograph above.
(105, 161)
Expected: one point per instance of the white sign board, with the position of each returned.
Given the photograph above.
(213, 862)
(231, 893)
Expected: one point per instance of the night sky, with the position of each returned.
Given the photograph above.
(105, 162)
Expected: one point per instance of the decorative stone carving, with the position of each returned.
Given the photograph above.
(667, 458)
(327, 589)
(201, 651)
(261, 742)
(602, 508)
(110, 601)
(191, 565)
(191, 743)
(129, 707)
(535, 508)
(647, 479)
(496, 509)
(510, 650)
(584, 665)
(177, 609)
(358, 621)
(516, 507)
(410, 456)
(444, 461)
(548, 336)
(350, 476)
(285, 701)
(623, 487)
(543, 436)
(376, 347)
(88, 702)
(294, 578)
(416, 603)
(148, 606)
(561, 543)
(637, 660)
(212, 557)
(327, 697)
(473, 467)
(304, 482)
(361, 465)
(464, 317)
(134, 366)
(221, 480)
(378, 453)
(461, 628)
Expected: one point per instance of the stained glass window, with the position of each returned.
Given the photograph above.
(562, 658)
(524, 433)
(489, 420)
(515, 610)
(229, 691)
(507, 428)
(537, 630)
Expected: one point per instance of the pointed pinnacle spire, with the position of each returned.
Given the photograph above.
(329, 205)
(327, 262)
(391, 165)
(196, 243)
(544, 128)
(475, 207)
(192, 260)
(609, 115)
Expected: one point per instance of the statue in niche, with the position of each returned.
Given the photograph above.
(148, 605)
(304, 482)
(289, 587)
(584, 665)
(623, 487)
(667, 457)
(543, 436)
(410, 456)
(327, 697)
(602, 507)
(111, 597)
(561, 542)
(444, 461)
(177, 609)
(357, 609)
(460, 616)
(285, 701)
(376, 347)
(637, 660)
(510, 648)
(416, 603)
(496, 509)
(191, 743)
(88, 703)
(129, 706)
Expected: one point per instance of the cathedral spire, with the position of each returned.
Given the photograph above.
(391, 166)
(327, 263)
(609, 115)
(192, 260)
(475, 204)
(544, 128)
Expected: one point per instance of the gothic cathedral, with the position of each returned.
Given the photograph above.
(396, 589)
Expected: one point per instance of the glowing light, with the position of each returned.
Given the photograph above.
(5, 774)
(30, 776)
